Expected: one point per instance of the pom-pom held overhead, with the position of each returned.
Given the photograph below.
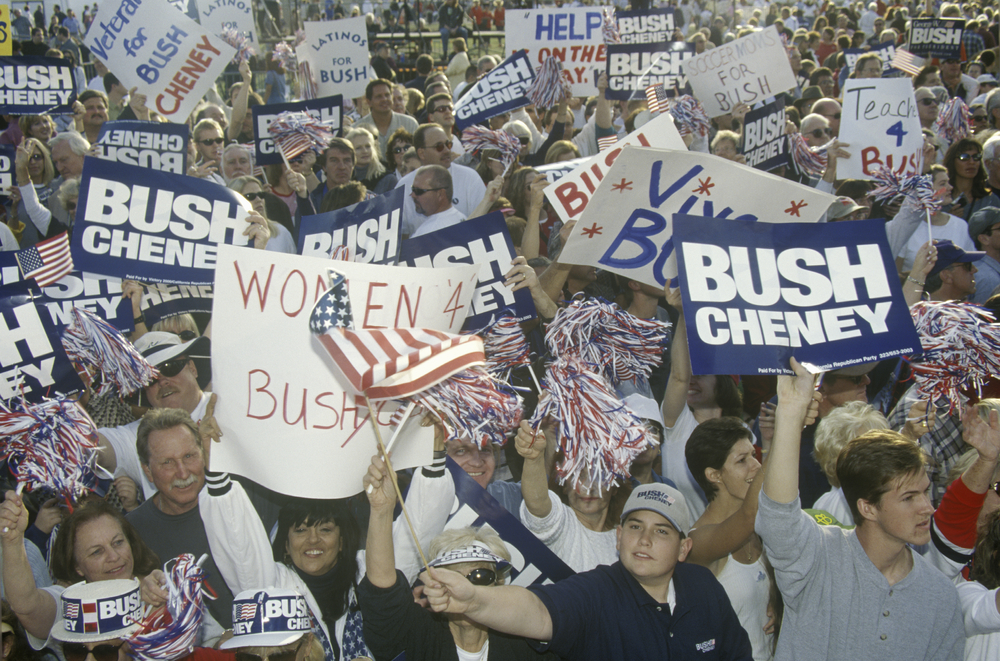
(952, 123)
(918, 188)
(94, 344)
(599, 436)
(238, 40)
(505, 347)
(961, 348)
(295, 132)
(170, 633)
(809, 160)
(49, 445)
(610, 27)
(613, 342)
(285, 54)
(478, 138)
(690, 115)
(550, 86)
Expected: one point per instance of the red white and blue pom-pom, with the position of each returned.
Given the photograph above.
(295, 132)
(50, 445)
(611, 341)
(952, 123)
(285, 54)
(919, 188)
(810, 161)
(690, 115)
(609, 29)
(238, 40)
(471, 405)
(961, 349)
(170, 633)
(888, 184)
(599, 436)
(550, 86)
(307, 84)
(505, 346)
(478, 138)
(94, 344)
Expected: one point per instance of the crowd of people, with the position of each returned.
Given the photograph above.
(768, 518)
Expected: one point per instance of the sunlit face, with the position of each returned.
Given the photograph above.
(438, 149)
(36, 164)
(968, 168)
(381, 101)
(479, 464)
(68, 163)
(942, 187)
(701, 391)
(41, 129)
(927, 106)
(398, 149)
(363, 150)
(258, 202)
(177, 468)
(398, 100)
(97, 112)
(904, 513)
(726, 149)
(871, 69)
(180, 391)
(339, 167)
(212, 151)
(237, 163)
(649, 546)
(101, 551)
(740, 469)
(314, 548)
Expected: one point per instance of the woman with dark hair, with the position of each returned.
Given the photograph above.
(94, 543)
(967, 177)
(15, 645)
(400, 141)
(274, 83)
(315, 552)
(490, 166)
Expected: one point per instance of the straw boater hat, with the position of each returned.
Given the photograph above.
(268, 618)
(103, 610)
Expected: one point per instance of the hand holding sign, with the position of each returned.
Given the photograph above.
(137, 102)
(258, 230)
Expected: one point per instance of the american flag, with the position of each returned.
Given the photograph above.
(389, 363)
(244, 611)
(906, 61)
(656, 98)
(71, 610)
(606, 141)
(47, 261)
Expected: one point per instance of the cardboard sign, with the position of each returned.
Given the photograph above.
(572, 36)
(627, 226)
(327, 108)
(501, 90)
(6, 32)
(532, 562)
(936, 37)
(32, 85)
(139, 224)
(7, 155)
(217, 16)
(633, 68)
(570, 196)
(371, 230)
(886, 51)
(764, 140)
(881, 125)
(153, 46)
(33, 362)
(556, 171)
(756, 294)
(648, 26)
(150, 145)
(746, 70)
(338, 54)
(482, 241)
(279, 382)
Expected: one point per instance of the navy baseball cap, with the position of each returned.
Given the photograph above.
(948, 254)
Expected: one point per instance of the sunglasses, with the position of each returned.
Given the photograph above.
(401, 149)
(79, 652)
(286, 655)
(254, 196)
(929, 102)
(440, 147)
(417, 192)
(979, 118)
(482, 576)
(970, 157)
(296, 160)
(208, 142)
(172, 367)
(819, 133)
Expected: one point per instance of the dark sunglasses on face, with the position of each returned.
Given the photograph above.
(482, 576)
(253, 196)
(79, 652)
(420, 191)
(524, 141)
(208, 142)
(979, 118)
(929, 102)
(970, 157)
(440, 147)
(172, 367)
(285, 655)
(819, 133)
(296, 160)
(400, 149)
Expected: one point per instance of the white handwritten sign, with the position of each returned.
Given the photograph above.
(881, 125)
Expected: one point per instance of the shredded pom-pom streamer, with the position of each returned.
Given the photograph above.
(285, 54)
(599, 436)
(471, 405)
(94, 343)
(307, 84)
(550, 85)
(919, 188)
(952, 123)
(50, 445)
(613, 342)
(341, 254)
(610, 27)
(809, 160)
(238, 40)
(505, 347)
(478, 138)
(961, 348)
(295, 132)
(690, 115)
(170, 633)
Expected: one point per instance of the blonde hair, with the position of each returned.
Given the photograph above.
(177, 324)
(313, 649)
(457, 538)
(842, 425)
(375, 167)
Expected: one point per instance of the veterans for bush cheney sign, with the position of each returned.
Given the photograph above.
(633, 68)
(880, 123)
(756, 294)
(499, 91)
(746, 70)
(627, 226)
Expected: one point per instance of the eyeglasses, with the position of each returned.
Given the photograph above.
(482, 576)
(819, 133)
(79, 652)
(970, 157)
(523, 140)
(254, 196)
(402, 149)
(443, 108)
(440, 147)
(929, 102)
(417, 192)
(208, 142)
(172, 367)
(285, 655)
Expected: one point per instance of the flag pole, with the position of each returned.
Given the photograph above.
(392, 476)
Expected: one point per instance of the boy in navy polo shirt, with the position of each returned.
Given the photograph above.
(647, 605)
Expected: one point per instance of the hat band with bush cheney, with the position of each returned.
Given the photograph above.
(99, 611)
(268, 618)
(475, 552)
(663, 500)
